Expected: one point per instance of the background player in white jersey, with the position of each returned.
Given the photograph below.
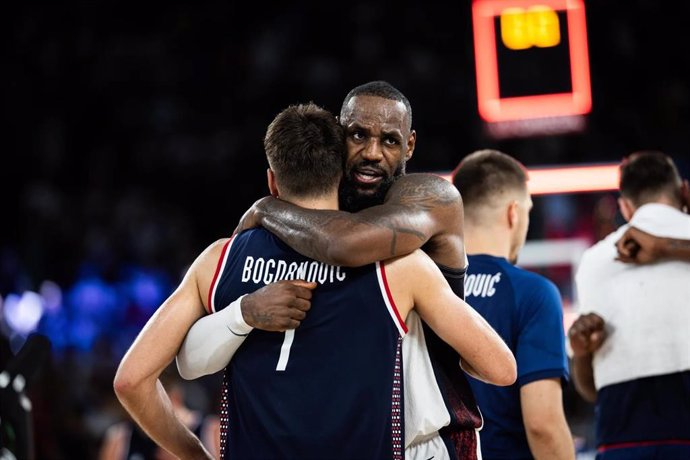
(639, 247)
(631, 353)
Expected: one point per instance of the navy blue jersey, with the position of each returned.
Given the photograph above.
(332, 388)
(525, 309)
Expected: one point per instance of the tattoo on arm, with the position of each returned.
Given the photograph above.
(679, 244)
(404, 221)
(416, 195)
(421, 194)
(262, 319)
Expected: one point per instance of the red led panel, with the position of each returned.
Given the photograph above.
(493, 107)
(569, 179)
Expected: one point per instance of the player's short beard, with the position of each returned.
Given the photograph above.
(352, 200)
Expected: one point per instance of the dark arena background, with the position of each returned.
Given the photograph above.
(133, 139)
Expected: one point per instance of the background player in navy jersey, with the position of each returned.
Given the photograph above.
(476, 340)
(631, 353)
(390, 214)
(524, 420)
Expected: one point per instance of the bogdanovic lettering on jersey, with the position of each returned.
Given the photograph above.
(260, 270)
(481, 285)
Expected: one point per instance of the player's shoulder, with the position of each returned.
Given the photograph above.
(533, 285)
(206, 264)
(250, 233)
(601, 254)
(255, 235)
(528, 277)
(424, 186)
(428, 182)
(210, 255)
(416, 263)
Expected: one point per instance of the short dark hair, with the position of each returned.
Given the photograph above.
(647, 174)
(305, 148)
(483, 174)
(379, 88)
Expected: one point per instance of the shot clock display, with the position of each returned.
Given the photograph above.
(531, 59)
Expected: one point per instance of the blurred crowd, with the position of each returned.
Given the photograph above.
(136, 140)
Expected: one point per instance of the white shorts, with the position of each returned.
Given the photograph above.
(431, 448)
(434, 448)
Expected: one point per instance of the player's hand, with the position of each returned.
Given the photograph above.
(278, 306)
(587, 334)
(636, 246)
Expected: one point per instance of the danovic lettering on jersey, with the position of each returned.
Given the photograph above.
(481, 284)
(259, 270)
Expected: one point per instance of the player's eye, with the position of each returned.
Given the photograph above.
(357, 135)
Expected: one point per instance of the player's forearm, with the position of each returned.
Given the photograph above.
(498, 367)
(150, 407)
(211, 342)
(490, 361)
(546, 427)
(488, 358)
(676, 249)
(483, 353)
(307, 231)
(552, 441)
(467, 367)
(342, 238)
(583, 377)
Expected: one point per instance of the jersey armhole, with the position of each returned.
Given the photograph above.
(388, 299)
(222, 260)
(455, 278)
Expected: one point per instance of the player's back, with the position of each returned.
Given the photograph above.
(642, 370)
(329, 389)
(525, 309)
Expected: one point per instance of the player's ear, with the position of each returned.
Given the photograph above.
(272, 186)
(685, 196)
(411, 142)
(512, 214)
(626, 207)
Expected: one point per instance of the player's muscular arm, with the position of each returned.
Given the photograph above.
(418, 208)
(416, 282)
(637, 246)
(212, 341)
(586, 335)
(547, 429)
(136, 382)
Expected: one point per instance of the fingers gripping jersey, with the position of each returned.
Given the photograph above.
(332, 388)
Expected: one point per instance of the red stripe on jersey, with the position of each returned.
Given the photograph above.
(625, 445)
(215, 276)
(390, 297)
